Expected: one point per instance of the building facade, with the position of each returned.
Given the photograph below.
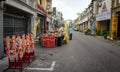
(17, 17)
(85, 20)
(49, 14)
(115, 19)
(57, 18)
(103, 16)
(44, 15)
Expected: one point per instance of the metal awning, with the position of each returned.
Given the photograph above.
(84, 20)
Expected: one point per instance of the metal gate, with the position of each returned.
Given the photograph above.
(14, 25)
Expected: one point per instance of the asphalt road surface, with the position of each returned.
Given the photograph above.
(82, 54)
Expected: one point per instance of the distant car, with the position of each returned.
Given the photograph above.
(76, 29)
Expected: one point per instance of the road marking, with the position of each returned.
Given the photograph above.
(47, 69)
(52, 66)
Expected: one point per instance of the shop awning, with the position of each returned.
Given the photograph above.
(103, 16)
(84, 20)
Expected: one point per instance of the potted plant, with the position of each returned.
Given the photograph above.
(98, 32)
(105, 34)
(114, 35)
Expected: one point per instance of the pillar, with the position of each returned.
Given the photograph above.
(98, 26)
(114, 28)
(1, 31)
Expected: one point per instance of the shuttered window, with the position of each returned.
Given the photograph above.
(14, 25)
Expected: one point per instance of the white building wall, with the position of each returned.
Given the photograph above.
(108, 5)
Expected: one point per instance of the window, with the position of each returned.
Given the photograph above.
(14, 25)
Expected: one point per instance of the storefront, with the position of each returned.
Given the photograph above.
(15, 21)
(118, 27)
(41, 26)
(115, 26)
(84, 25)
(103, 22)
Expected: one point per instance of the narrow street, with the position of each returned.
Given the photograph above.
(82, 54)
(35, 36)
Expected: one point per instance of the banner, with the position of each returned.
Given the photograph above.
(114, 26)
(103, 16)
(66, 37)
(35, 26)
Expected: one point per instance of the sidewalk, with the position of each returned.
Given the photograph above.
(43, 60)
(3, 64)
(117, 42)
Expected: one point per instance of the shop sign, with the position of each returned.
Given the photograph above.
(114, 26)
(103, 16)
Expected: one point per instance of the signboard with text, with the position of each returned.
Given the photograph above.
(103, 16)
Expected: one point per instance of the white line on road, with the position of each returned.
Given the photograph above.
(52, 66)
(47, 69)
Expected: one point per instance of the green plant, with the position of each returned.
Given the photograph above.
(105, 36)
(105, 33)
(98, 32)
(88, 32)
(114, 34)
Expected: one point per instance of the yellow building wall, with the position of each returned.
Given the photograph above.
(114, 27)
(97, 25)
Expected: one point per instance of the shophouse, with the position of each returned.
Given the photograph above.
(76, 21)
(84, 21)
(16, 17)
(103, 16)
(57, 17)
(115, 22)
(49, 15)
(42, 16)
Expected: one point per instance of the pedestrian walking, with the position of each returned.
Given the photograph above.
(70, 31)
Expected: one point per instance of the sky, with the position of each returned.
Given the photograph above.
(70, 8)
